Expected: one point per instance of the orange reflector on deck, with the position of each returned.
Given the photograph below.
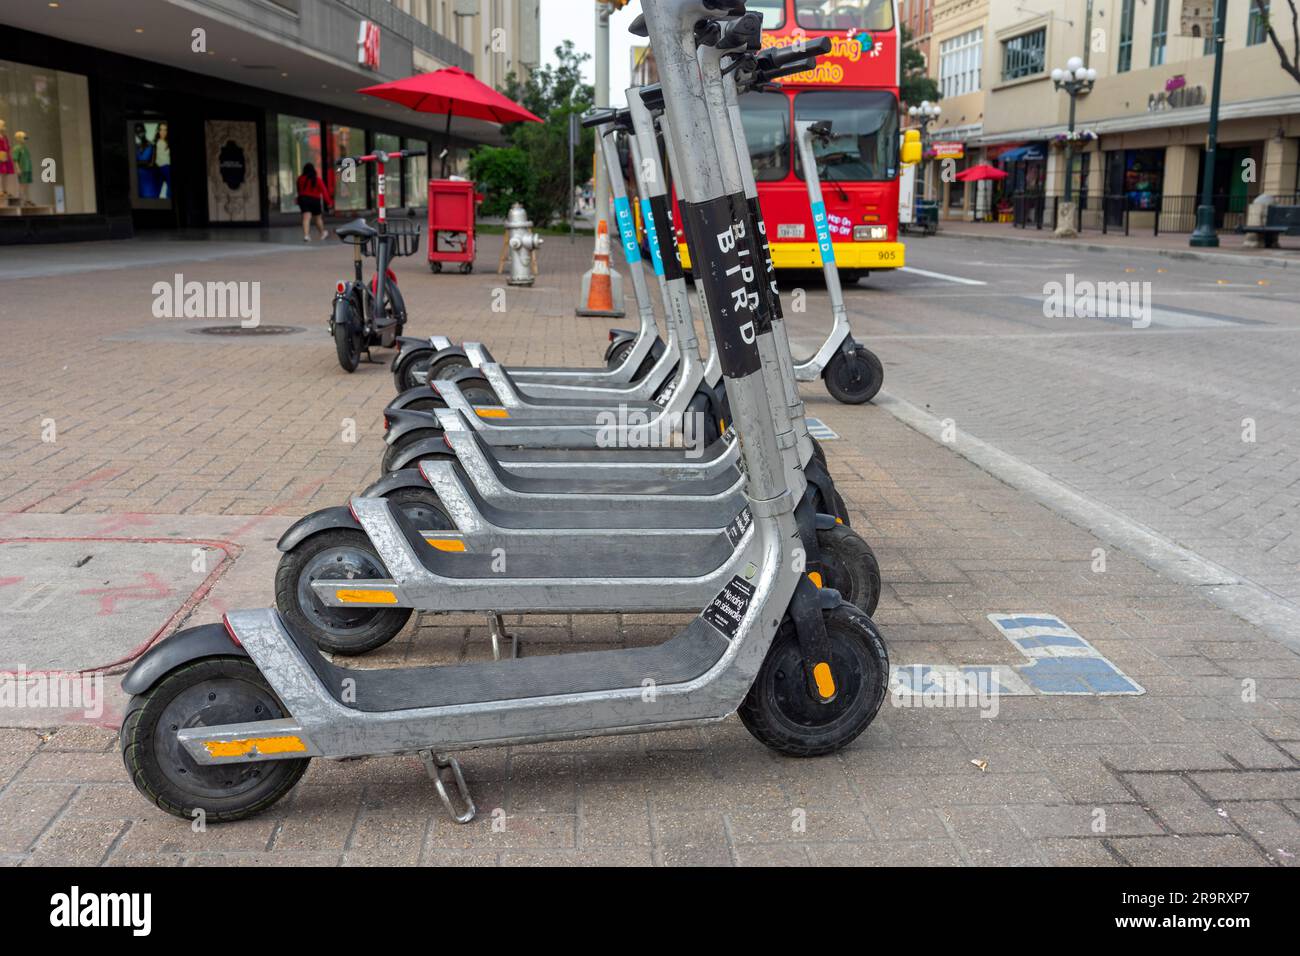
(446, 544)
(825, 683)
(492, 413)
(816, 578)
(359, 596)
(259, 745)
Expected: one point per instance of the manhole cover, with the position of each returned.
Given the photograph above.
(255, 330)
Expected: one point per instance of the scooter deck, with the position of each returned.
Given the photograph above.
(686, 656)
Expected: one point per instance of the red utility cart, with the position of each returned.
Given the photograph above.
(452, 205)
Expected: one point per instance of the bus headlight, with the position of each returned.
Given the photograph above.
(870, 233)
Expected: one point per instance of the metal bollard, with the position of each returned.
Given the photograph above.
(523, 244)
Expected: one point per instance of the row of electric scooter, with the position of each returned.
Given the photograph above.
(662, 482)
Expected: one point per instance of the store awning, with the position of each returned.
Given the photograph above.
(1021, 153)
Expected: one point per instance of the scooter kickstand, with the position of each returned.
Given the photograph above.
(433, 764)
(497, 629)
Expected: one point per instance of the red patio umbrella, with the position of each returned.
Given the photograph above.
(982, 171)
(452, 91)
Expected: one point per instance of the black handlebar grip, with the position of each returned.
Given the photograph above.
(789, 69)
(638, 27)
(745, 33)
(599, 117)
(809, 48)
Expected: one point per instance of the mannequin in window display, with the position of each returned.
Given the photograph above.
(23, 165)
(6, 163)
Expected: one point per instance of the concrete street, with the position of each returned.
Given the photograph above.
(1138, 485)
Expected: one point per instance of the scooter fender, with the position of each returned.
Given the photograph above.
(452, 351)
(324, 520)
(191, 644)
(616, 338)
(394, 480)
(411, 395)
(423, 451)
(408, 347)
(401, 421)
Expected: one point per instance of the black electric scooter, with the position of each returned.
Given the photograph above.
(368, 315)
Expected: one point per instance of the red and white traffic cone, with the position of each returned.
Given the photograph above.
(602, 287)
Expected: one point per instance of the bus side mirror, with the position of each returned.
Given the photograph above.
(911, 153)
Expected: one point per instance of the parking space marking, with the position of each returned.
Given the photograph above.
(820, 430)
(1060, 663)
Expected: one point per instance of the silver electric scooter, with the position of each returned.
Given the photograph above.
(224, 719)
(462, 517)
(852, 372)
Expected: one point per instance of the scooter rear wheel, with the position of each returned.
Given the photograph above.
(854, 379)
(204, 693)
(851, 566)
(778, 710)
(341, 554)
(477, 391)
(423, 507)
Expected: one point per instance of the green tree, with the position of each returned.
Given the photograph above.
(505, 175)
(552, 92)
(915, 85)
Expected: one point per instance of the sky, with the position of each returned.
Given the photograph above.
(576, 20)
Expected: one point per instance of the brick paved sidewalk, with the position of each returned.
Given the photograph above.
(1203, 769)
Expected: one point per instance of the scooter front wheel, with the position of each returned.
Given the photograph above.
(851, 566)
(855, 378)
(342, 554)
(347, 340)
(204, 693)
(778, 709)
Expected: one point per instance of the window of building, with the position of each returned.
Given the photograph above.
(415, 174)
(298, 140)
(348, 187)
(766, 118)
(1159, 31)
(1257, 25)
(1023, 55)
(844, 15)
(46, 148)
(864, 134)
(960, 59)
(1125, 61)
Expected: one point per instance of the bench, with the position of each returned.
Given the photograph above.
(1278, 221)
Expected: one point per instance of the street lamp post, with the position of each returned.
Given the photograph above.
(923, 116)
(1204, 234)
(1076, 79)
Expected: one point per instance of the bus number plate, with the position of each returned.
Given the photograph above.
(789, 230)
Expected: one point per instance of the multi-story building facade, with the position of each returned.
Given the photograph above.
(140, 114)
(1144, 123)
(957, 64)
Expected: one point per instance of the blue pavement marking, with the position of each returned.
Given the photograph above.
(820, 430)
(1060, 662)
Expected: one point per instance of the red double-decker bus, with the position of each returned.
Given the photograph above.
(855, 86)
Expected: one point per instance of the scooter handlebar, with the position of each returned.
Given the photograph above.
(809, 48)
(374, 157)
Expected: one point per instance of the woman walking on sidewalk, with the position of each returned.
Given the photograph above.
(313, 197)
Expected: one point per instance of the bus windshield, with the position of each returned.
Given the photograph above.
(766, 118)
(843, 14)
(864, 134)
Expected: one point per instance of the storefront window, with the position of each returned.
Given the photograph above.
(151, 164)
(1143, 170)
(46, 148)
(350, 192)
(415, 174)
(299, 144)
